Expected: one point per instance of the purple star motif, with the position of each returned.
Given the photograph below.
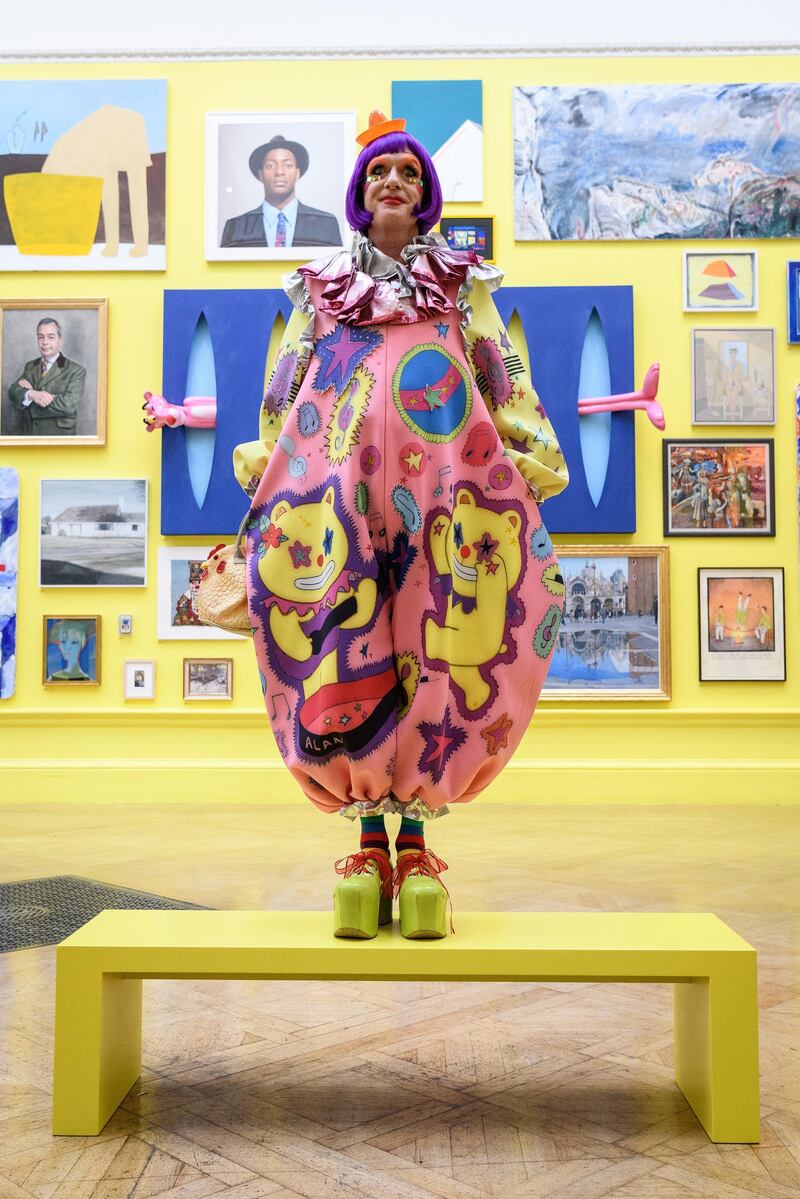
(300, 555)
(277, 395)
(485, 547)
(442, 738)
(504, 342)
(339, 353)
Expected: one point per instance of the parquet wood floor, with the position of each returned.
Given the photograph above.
(409, 1091)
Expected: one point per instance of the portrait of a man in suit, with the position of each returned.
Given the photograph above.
(49, 389)
(281, 219)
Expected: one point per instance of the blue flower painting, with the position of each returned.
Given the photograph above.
(641, 162)
(9, 523)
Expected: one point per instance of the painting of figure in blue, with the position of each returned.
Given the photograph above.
(642, 162)
(9, 522)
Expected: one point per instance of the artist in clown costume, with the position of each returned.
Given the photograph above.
(403, 590)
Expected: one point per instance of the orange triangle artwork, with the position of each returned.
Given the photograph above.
(720, 268)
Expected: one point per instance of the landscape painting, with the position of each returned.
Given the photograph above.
(447, 117)
(638, 162)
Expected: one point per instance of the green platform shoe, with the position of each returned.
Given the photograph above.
(423, 897)
(362, 900)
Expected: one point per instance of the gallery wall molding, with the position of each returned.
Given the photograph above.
(548, 718)
(540, 781)
(327, 53)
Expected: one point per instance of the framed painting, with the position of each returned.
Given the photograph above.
(93, 533)
(207, 678)
(9, 555)
(71, 651)
(614, 642)
(276, 183)
(178, 583)
(741, 624)
(793, 301)
(446, 115)
(718, 282)
(83, 175)
(469, 233)
(641, 161)
(733, 376)
(139, 679)
(719, 488)
(53, 369)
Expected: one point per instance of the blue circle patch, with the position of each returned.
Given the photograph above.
(432, 392)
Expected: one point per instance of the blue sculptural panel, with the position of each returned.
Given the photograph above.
(578, 338)
(557, 321)
(230, 357)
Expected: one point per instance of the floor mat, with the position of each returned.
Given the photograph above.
(43, 911)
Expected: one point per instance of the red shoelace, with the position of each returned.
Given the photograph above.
(359, 863)
(425, 862)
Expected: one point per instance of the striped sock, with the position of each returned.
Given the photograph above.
(373, 834)
(411, 838)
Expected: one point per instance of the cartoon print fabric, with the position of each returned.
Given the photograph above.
(404, 593)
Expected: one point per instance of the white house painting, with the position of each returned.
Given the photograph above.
(93, 533)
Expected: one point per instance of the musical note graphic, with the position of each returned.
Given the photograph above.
(275, 698)
(297, 463)
(438, 490)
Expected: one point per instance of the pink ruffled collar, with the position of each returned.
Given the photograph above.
(343, 582)
(422, 287)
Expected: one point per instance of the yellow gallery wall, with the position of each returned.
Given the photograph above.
(712, 743)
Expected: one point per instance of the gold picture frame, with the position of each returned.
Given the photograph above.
(71, 651)
(207, 678)
(614, 639)
(80, 370)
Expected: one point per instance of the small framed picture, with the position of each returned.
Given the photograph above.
(613, 643)
(733, 376)
(719, 488)
(178, 583)
(741, 624)
(71, 651)
(53, 367)
(139, 679)
(718, 282)
(793, 301)
(208, 678)
(276, 183)
(469, 233)
(93, 533)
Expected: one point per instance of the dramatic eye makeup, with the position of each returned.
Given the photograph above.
(410, 169)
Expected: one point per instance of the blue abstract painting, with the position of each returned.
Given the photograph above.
(9, 524)
(447, 117)
(639, 162)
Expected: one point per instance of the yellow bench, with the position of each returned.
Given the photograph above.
(100, 970)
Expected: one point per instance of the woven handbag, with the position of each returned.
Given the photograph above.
(222, 595)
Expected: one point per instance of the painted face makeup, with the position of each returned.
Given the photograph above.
(406, 167)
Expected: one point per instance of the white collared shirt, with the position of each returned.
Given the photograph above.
(270, 217)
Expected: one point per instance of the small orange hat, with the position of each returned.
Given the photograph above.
(378, 126)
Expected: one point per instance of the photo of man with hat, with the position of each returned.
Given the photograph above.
(281, 220)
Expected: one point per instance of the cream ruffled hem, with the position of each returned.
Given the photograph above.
(415, 809)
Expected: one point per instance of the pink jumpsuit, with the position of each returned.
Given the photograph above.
(403, 590)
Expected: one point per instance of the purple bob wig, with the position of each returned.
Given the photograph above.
(429, 208)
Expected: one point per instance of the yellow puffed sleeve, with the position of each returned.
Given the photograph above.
(251, 457)
(511, 400)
